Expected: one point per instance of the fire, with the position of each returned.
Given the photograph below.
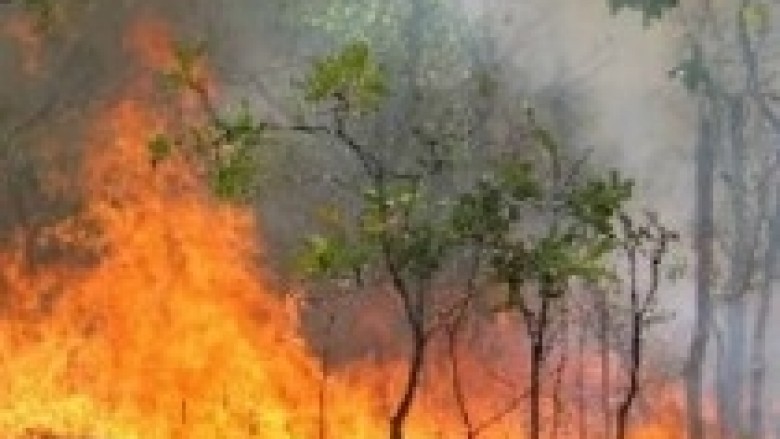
(149, 40)
(171, 331)
(23, 30)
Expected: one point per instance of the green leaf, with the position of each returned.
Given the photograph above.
(482, 213)
(597, 202)
(234, 174)
(756, 17)
(331, 257)
(242, 128)
(519, 181)
(650, 9)
(692, 72)
(159, 148)
(45, 12)
(351, 73)
(487, 85)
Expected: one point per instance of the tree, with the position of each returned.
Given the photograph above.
(540, 229)
(396, 236)
(650, 242)
(536, 226)
(726, 80)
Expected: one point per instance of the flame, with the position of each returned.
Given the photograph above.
(171, 330)
(149, 40)
(22, 29)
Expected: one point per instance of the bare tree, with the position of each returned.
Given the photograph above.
(642, 303)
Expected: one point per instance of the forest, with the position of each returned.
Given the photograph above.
(400, 219)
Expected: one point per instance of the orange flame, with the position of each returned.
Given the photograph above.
(149, 40)
(173, 332)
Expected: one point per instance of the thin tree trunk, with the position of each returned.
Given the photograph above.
(757, 423)
(582, 420)
(414, 373)
(704, 234)
(633, 386)
(606, 372)
(756, 409)
(720, 376)
(325, 369)
(322, 430)
(534, 414)
(457, 385)
(733, 389)
(635, 351)
(735, 367)
(558, 403)
(758, 360)
(537, 361)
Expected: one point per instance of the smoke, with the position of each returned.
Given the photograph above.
(600, 80)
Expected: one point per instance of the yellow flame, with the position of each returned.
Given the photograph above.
(173, 332)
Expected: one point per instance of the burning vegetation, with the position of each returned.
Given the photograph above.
(456, 276)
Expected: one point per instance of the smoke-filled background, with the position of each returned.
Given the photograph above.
(141, 298)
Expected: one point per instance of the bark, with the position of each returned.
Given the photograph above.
(414, 306)
(606, 373)
(558, 403)
(637, 317)
(322, 397)
(705, 158)
(457, 385)
(733, 385)
(414, 373)
(720, 366)
(705, 173)
(537, 361)
(757, 401)
(734, 367)
(582, 423)
(756, 410)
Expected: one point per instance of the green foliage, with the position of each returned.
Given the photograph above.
(598, 201)
(440, 55)
(692, 72)
(531, 229)
(242, 128)
(160, 148)
(332, 257)
(481, 213)
(756, 17)
(229, 144)
(557, 258)
(352, 73)
(528, 238)
(487, 212)
(651, 9)
(393, 227)
(185, 72)
(45, 12)
(537, 232)
(226, 143)
(394, 220)
(234, 172)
